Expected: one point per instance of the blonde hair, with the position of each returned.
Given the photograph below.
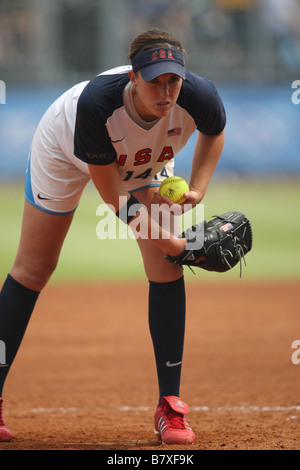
(151, 39)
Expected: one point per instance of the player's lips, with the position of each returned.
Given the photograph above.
(163, 104)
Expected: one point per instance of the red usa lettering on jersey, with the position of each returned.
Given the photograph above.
(144, 156)
(166, 154)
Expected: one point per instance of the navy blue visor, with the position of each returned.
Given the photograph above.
(154, 62)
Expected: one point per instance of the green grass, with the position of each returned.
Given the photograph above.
(272, 207)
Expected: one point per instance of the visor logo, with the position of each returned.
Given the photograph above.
(162, 54)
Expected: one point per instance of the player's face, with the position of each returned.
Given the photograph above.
(156, 98)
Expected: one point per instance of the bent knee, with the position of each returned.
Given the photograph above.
(160, 270)
(33, 275)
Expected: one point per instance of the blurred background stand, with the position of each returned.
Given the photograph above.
(249, 48)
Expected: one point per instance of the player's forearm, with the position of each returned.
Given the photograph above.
(208, 150)
(148, 226)
(142, 224)
(107, 181)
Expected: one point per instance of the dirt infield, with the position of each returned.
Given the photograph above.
(85, 377)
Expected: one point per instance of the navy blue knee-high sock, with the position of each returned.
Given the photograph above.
(167, 327)
(16, 306)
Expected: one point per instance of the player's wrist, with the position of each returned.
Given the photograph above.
(130, 210)
(196, 195)
(177, 246)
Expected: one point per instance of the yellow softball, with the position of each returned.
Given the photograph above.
(174, 188)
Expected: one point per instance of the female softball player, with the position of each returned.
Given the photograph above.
(121, 129)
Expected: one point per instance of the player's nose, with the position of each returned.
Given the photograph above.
(164, 90)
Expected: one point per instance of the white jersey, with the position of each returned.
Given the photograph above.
(95, 122)
(107, 128)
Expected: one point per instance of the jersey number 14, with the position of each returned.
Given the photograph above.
(143, 157)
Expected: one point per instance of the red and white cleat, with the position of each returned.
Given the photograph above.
(5, 434)
(170, 424)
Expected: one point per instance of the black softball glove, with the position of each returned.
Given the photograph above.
(225, 241)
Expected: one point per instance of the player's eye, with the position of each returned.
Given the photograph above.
(173, 79)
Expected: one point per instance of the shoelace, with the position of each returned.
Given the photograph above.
(176, 420)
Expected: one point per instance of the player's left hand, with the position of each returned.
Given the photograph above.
(217, 245)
